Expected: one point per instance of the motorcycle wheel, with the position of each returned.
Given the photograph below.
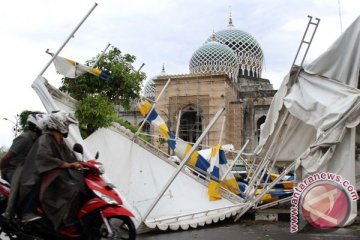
(122, 228)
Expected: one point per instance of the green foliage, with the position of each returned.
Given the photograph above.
(97, 96)
(94, 112)
(126, 124)
(22, 119)
(123, 85)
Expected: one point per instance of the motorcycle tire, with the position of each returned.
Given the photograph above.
(122, 228)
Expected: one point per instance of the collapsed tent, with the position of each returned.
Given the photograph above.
(313, 116)
(139, 172)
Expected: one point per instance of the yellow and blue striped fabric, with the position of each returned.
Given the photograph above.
(216, 166)
(72, 69)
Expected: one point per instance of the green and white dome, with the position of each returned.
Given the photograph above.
(248, 50)
(214, 57)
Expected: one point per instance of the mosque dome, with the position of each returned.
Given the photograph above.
(149, 87)
(214, 57)
(248, 50)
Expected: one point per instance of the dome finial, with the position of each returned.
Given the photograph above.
(163, 68)
(213, 37)
(230, 19)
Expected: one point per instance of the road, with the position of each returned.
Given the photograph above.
(252, 230)
(248, 230)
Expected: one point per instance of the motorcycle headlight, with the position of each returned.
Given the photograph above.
(106, 198)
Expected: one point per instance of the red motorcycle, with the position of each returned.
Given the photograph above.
(101, 216)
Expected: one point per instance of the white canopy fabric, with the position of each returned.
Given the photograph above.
(140, 174)
(313, 116)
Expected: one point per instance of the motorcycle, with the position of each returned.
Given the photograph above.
(101, 215)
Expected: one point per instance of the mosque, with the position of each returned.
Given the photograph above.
(223, 72)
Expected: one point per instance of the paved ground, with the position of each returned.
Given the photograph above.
(249, 230)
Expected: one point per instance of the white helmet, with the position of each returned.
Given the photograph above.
(36, 121)
(60, 121)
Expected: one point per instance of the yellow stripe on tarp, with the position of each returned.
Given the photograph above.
(267, 198)
(193, 159)
(215, 150)
(288, 184)
(232, 185)
(95, 71)
(273, 176)
(188, 148)
(214, 191)
(164, 131)
(71, 61)
(145, 108)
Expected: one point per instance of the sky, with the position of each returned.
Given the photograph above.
(157, 32)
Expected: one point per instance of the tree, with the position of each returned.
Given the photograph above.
(94, 112)
(122, 86)
(97, 96)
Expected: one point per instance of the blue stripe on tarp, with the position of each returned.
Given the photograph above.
(242, 186)
(202, 163)
(291, 178)
(172, 143)
(152, 115)
(104, 75)
(215, 173)
(281, 194)
(222, 157)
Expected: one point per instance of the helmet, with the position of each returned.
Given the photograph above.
(36, 121)
(59, 121)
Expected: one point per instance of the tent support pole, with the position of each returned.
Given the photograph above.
(235, 159)
(183, 162)
(68, 39)
(101, 55)
(258, 197)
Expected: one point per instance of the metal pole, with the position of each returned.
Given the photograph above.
(67, 40)
(251, 203)
(178, 124)
(236, 158)
(222, 130)
(184, 161)
(101, 55)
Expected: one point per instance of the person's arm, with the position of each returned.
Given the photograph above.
(74, 165)
(5, 160)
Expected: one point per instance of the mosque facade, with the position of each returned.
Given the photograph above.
(223, 72)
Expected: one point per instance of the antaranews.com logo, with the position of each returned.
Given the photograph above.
(322, 200)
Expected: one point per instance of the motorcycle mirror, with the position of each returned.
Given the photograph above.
(97, 155)
(78, 148)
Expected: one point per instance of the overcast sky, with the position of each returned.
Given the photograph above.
(157, 32)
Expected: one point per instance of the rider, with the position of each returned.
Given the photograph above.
(21, 146)
(61, 190)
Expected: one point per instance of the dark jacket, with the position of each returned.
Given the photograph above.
(61, 192)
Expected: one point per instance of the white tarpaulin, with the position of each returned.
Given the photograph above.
(140, 174)
(312, 119)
